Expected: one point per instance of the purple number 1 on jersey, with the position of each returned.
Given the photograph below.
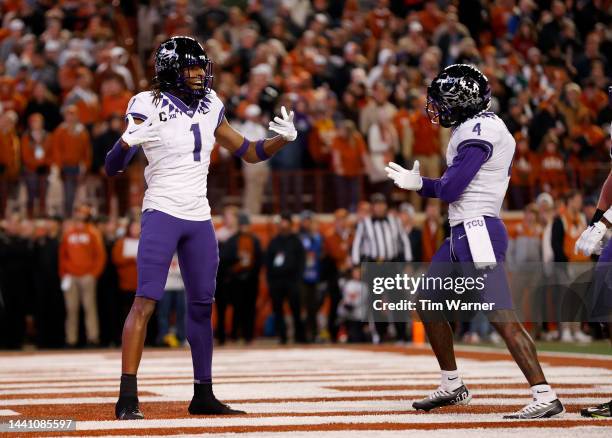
(197, 140)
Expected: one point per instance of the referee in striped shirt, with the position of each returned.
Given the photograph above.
(380, 237)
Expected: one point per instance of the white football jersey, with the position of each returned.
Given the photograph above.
(178, 163)
(485, 193)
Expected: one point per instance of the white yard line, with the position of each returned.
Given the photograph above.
(293, 421)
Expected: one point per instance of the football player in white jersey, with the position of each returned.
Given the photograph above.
(479, 157)
(177, 124)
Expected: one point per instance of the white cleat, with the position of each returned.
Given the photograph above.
(535, 410)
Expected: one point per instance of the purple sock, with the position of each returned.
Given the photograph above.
(200, 337)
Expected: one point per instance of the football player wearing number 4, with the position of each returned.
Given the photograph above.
(177, 124)
(479, 157)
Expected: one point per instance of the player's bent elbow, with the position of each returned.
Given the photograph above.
(251, 159)
(110, 170)
(449, 196)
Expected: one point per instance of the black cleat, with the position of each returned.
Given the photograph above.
(440, 398)
(211, 406)
(127, 409)
(603, 410)
(535, 410)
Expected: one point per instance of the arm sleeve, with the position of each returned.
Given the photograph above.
(139, 107)
(118, 158)
(458, 176)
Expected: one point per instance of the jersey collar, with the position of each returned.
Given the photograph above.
(176, 104)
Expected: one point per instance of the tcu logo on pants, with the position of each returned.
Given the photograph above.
(475, 223)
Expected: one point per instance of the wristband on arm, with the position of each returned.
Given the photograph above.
(599, 214)
(118, 158)
(244, 147)
(259, 150)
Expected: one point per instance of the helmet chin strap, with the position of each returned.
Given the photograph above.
(186, 93)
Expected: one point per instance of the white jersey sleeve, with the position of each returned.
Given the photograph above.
(141, 106)
(480, 131)
(485, 193)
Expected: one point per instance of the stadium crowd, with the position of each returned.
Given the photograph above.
(355, 73)
(72, 283)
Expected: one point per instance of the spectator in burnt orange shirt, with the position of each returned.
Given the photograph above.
(379, 18)
(124, 259)
(69, 72)
(572, 108)
(321, 134)
(526, 238)
(115, 97)
(431, 17)
(349, 153)
(84, 98)
(523, 174)
(9, 157)
(81, 261)
(593, 98)
(71, 153)
(37, 158)
(591, 134)
(10, 98)
(552, 175)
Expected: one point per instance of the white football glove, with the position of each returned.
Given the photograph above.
(138, 134)
(590, 239)
(404, 178)
(284, 126)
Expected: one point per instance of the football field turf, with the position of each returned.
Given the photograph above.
(319, 391)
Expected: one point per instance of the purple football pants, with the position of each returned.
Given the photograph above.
(195, 243)
(602, 294)
(456, 249)
(606, 253)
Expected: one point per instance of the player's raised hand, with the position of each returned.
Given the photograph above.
(284, 126)
(407, 179)
(138, 134)
(590, 239)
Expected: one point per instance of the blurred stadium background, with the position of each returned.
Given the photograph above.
(355, 72)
